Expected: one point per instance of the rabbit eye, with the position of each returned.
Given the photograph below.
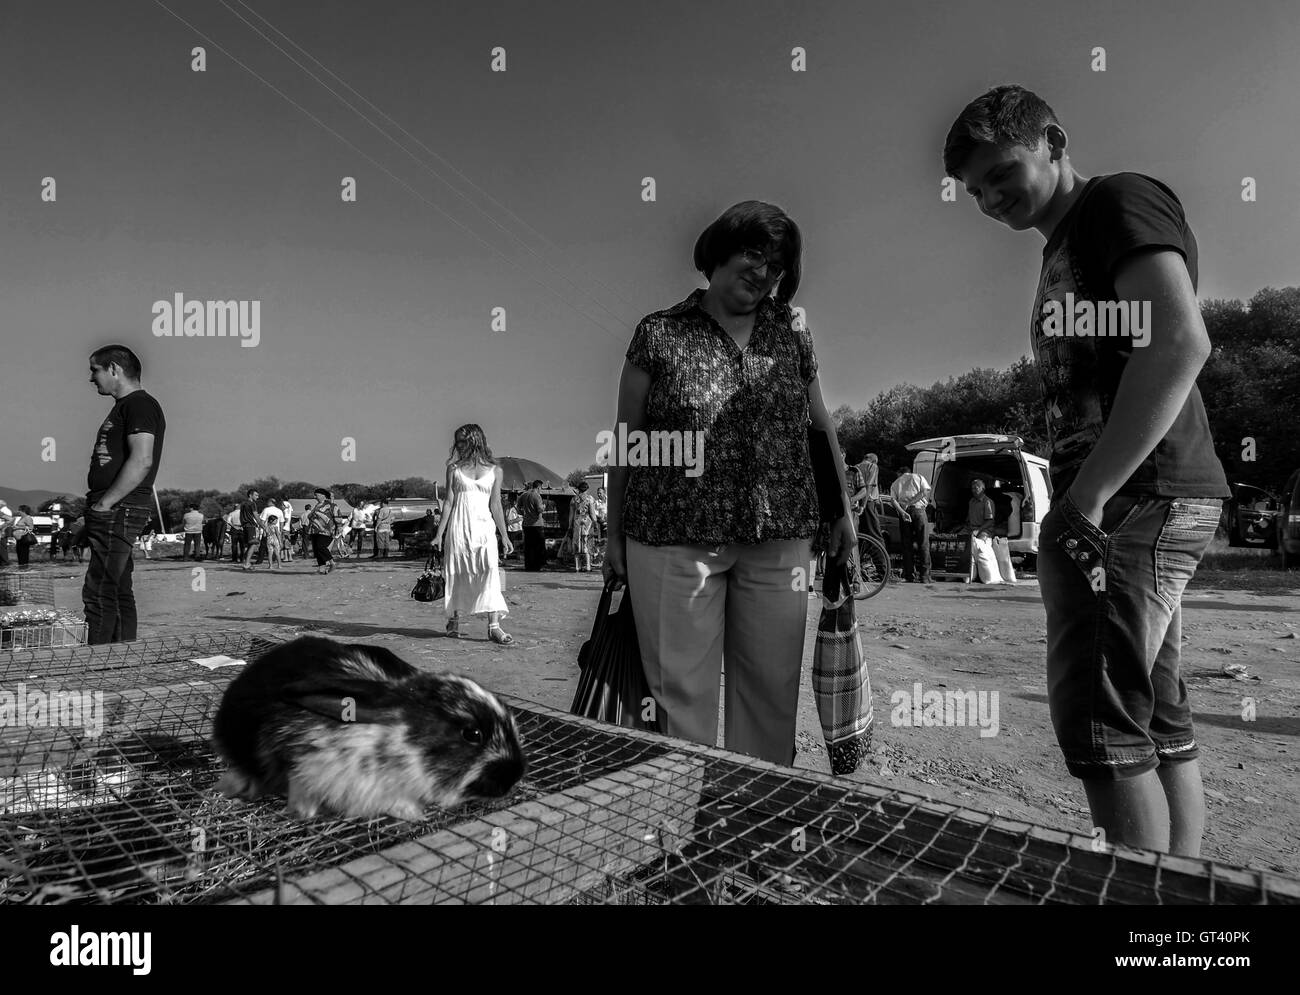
(472, 734)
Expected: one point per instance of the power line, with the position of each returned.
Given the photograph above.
(620, 335)
(389, 118)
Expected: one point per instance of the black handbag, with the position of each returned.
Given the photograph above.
(612, 686)
(431, 584)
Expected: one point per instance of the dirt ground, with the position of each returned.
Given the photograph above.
(946, 636)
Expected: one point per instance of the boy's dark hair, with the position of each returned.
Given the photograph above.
(106, 356)
(1004, 116)
(583, 486)
(752, 223)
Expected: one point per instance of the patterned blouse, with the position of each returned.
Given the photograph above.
(756, 481)
(321, 521)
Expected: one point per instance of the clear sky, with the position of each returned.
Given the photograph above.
(376, 315)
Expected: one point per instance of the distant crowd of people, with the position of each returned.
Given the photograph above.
(265, 530)
(20, 528)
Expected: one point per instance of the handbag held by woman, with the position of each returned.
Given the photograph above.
(431, 584)
(612, 686)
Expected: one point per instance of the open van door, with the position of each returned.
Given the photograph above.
(930, 453)
(1017, 481)
(1250, 517)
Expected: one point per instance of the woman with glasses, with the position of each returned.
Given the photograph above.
(716, 553)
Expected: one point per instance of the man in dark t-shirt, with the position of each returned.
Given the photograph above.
(119, 490)
(251, 525)
(1137, 487)
(530, 510)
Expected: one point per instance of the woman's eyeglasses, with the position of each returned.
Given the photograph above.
(755, 259)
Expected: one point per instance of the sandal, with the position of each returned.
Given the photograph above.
(453, 628)
(499, 635)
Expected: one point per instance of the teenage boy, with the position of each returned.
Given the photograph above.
(123, 467)
(1136, 484)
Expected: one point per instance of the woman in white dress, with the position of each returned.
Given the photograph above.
(471, 519)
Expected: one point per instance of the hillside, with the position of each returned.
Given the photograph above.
(13, 498)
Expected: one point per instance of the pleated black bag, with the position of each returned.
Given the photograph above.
(612, 686)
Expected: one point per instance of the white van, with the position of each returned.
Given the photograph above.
(44, 526)
(1017, 482)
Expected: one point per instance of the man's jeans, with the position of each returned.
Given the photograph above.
(107, 594)
(916, 533)
(1114, 630)
(195, 539)
(534, 547)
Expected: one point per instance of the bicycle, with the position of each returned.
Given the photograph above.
(868, 567)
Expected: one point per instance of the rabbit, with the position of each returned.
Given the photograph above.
(357, 731)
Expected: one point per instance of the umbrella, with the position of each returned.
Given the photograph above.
(516, 474)
(612, 686)
(841, 683)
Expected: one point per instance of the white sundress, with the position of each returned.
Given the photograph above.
(473, 574)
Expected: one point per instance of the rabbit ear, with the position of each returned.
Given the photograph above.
(344, 700)
(386, 660)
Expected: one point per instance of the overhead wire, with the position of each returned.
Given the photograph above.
(620, 335)
(449, 165)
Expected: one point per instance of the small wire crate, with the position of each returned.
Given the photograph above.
(27, 629)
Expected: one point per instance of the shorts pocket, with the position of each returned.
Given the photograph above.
(1078, 521)
(1081, 541)
(1188, 529)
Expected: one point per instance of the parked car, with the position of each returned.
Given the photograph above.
(1287, 522)
(1016, 481)
(1250, 517)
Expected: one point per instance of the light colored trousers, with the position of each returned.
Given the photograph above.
(698, 608)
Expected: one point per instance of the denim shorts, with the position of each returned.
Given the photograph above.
(1114, 630)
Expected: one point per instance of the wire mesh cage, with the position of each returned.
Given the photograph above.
(107, 795)
(21, 587)
(23, 629)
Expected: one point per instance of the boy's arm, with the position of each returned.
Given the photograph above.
(1156, 381)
